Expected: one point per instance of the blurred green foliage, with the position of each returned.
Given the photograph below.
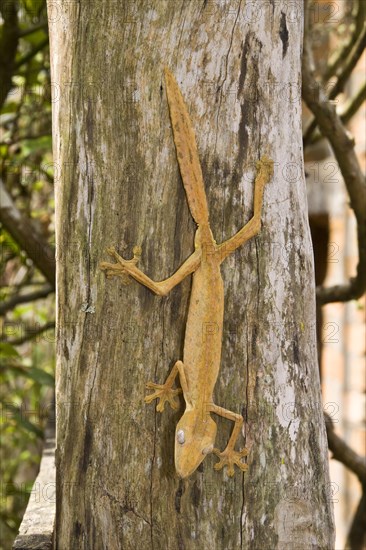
(27, 334)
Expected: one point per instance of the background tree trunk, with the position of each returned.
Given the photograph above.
(239, 71)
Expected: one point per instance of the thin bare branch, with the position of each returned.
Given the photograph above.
(30, 334)
(31, 30)
(12, 302)
(32, 53)
(27, 137)
(352, 61)
(354, 104)
(343, 453)
(342, 79)
(342, 54)
(356, 539)
(342, 144)
(350, 110)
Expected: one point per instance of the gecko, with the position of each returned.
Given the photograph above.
(195, 432)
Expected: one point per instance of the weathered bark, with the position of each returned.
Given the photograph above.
(239, 72)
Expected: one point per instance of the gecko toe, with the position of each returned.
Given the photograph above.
(152, 385)
(164, 394)
(229, 458)
(160, 406)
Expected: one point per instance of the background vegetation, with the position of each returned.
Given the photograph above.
(27, 299)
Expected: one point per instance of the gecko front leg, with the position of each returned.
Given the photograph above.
(165, 392)
(229, 456)
(264, 174)
(127, 268)
(121, 268)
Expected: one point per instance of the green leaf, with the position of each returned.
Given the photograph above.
(38, 375)
(4, 151)
(10, 107)
(7, 350)
(22, 421)
(36, 145)
(36, 37)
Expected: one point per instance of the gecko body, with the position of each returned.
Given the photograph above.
(196, 430)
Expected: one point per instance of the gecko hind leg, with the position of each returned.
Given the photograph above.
(229, 456)
(165, 392)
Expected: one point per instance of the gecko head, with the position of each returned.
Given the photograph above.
(194, 439)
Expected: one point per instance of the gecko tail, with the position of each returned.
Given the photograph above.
(187, 152)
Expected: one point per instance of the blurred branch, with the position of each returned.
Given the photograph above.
(343, 453)
(25, 137)
(8, 46)
(350, 110)
(357, 464)
(356, 539)
(353, 59)
(32, 53)
(354, 104)
(351, 63)
(30, 334)
(31, 30)
(341, 55)
(342, 144)
(22, 284)
(24, 233)
(24, 298)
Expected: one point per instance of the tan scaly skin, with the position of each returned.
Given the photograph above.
(198, 372)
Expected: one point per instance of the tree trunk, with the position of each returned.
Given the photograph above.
(239, 71)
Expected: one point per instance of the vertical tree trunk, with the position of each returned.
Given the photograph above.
(239, 71)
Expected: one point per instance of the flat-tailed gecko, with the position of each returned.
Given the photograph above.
(196, 430)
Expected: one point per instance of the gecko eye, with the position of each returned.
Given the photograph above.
(180, 437)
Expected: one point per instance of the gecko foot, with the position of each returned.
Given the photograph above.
(228, 458)
(163, 393)
(120, 269)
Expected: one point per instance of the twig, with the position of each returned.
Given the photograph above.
(28, 137)
(30, 334)
(352, 61)
(31, 30)
(343, 453)
(349, 111)
(342, 54)
(22, 284)
(351, 460)
(25, 298)
(354, 104)
(356, 539)
(32, 53)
